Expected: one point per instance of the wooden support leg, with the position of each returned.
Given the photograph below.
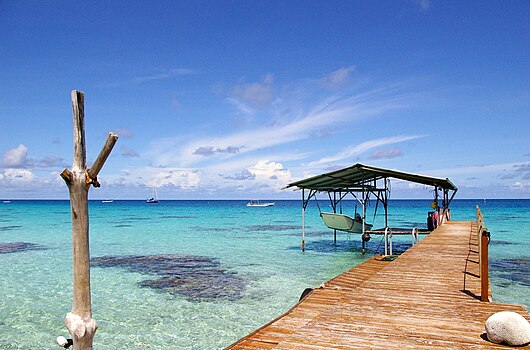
(484, 273)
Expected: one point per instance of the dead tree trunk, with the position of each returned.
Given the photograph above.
(79, 322)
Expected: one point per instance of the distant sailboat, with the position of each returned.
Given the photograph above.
(153, 199)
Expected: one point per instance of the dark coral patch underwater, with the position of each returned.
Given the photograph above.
(195, 277)
(497, 242)
(513, 270)
(17, 247)
(9, 228)
(177, 217)
(273, 227)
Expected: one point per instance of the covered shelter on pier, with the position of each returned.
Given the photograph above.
(362, 181)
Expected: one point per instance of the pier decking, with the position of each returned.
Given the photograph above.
(427, 298)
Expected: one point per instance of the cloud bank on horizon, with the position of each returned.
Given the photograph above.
(259, 119)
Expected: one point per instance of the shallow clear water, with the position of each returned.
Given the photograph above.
(202, 274)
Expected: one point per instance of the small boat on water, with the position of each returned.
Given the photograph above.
(153, 199)
(107, 201)
(6, 202)
(259, 204)
(346, 223)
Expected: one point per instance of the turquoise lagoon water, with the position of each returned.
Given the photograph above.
(202, 274)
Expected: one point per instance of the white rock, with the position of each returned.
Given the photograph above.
(508, 327)
(62, 341)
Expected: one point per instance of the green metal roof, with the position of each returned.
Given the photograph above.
(360, 176)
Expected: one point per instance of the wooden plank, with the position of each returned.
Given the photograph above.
(427, 298)
(313, 305)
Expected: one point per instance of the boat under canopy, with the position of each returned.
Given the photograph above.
(362, 181)
(344, 222)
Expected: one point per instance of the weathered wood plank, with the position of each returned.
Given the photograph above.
(427, 298)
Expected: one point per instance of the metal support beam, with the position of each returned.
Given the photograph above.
(335, 211)
(303, 229)
(304, 205)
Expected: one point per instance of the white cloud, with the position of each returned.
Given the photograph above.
(16, 177)
(49, 162)
(180, 178)
(387, 154)
(475, 169)
(363, 147)
(263, 176)
(242, 176)
(208, 151)
(140, 177)
(253, 95)
(413, 185)
(16, 157)
(227, 168)
(128, 152)
(254, 158)
(323, 114)
(246, 174)
(163, 75)
(171, 73)
(518, 185)
(337, 78)
(124, 132)
(271, 173)
(240, 106)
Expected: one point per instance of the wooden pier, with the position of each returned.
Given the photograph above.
(429, 297)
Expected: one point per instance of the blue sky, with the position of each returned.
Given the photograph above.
(235, 99)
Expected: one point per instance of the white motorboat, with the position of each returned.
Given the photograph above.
(259, 204)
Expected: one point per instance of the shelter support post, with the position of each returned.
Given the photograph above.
(303, 219)
(305, 202)
(303, 229)
(363, 222)
(363, 227)
(334, 205)
(388, 240)
(415, 238)
(363, 243)
(385, 201)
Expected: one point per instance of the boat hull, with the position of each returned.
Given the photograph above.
(260, 204)
(343, 222)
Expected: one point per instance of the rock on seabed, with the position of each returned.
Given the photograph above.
(17, 247)
(508, 327)
(196, 277)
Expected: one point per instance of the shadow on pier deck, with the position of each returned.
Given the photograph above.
(427, 298)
